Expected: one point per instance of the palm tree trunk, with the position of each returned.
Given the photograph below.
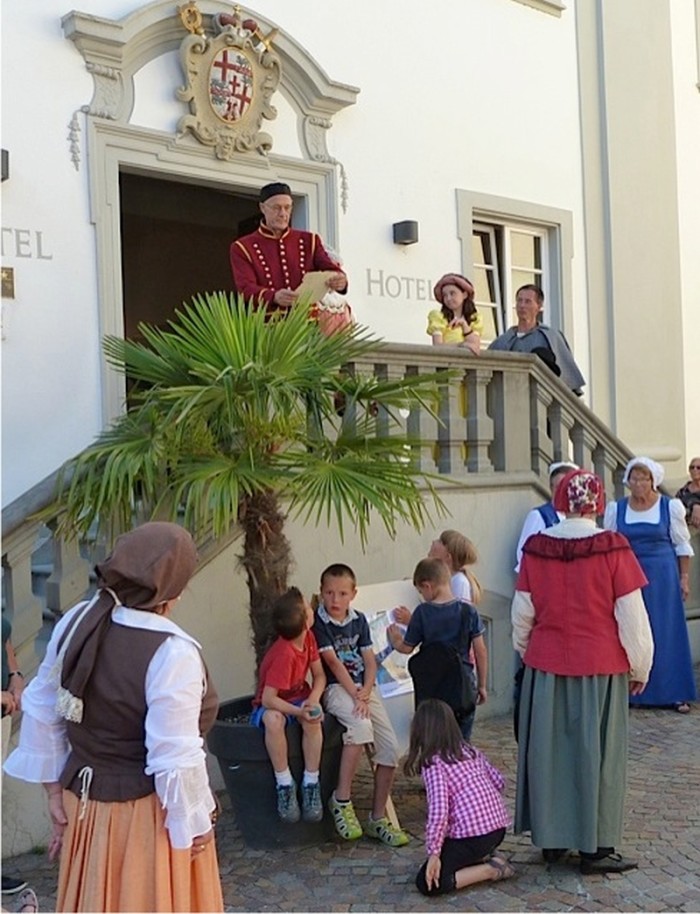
(267, 560)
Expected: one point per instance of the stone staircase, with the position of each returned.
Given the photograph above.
(503, 418)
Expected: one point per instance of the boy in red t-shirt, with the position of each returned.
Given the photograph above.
(285, 695)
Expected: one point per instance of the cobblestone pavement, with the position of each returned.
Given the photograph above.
(662, 832)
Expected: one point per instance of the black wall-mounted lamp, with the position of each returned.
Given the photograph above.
(405, 232)
(5, 163)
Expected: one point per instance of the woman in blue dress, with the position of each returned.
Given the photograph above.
(655, 526)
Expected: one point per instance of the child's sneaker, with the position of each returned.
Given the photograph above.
(287, 803)
(346, 822)
(312, 808)
(384, 831)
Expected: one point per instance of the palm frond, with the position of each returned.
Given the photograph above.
(225, 405)
(347, 482)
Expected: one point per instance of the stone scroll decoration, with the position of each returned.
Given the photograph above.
(231, 75)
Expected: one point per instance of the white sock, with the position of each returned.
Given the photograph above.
(284, 778)
(310, 777)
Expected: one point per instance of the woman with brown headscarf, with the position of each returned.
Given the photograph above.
(112, 728)
(580, 625)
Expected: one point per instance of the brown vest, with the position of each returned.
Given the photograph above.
(111, 737)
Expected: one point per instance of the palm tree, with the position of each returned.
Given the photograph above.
(231, 417)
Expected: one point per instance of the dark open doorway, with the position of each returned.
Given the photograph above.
(175, 244)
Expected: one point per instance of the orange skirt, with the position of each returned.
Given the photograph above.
(119, 858)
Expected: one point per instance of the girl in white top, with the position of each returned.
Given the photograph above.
(458, 552)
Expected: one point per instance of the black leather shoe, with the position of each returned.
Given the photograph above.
(553, 854)
(11, 885)
(611, 863)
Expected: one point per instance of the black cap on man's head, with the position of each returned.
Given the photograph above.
(271, 190)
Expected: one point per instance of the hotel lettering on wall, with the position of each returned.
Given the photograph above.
(24, 243)
(20, 244)
(381, 284)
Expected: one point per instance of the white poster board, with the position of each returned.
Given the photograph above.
(395, 685)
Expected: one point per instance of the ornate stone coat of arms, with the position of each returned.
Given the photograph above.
(230, 76)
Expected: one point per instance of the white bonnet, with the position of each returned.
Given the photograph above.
(656, 470)
(559, 465)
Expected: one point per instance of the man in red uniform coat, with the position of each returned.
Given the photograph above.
(270, 263)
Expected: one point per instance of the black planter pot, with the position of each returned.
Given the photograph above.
(250, 781)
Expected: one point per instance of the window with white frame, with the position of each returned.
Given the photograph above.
(508, 243)
(506, 256)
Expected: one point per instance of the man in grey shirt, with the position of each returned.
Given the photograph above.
(530, 336)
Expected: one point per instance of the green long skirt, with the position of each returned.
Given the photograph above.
(572, 760)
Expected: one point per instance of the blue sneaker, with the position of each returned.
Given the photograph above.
(287, 803)
(311, 805)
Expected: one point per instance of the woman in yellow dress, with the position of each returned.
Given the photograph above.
(457, 323)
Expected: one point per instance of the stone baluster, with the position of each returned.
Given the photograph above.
(561, 423)
(70, 578)
(541, 401)
(449, 449)
(480, 425)
(618, 485)
(401, 417)
(382, 373)
(349, 410)
(507, 405)
(22, 606)
(584, 442)
(421, 426)
(604, 466)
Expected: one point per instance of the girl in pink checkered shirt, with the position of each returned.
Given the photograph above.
(467, 818)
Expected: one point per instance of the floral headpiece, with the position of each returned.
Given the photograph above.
(580, 492)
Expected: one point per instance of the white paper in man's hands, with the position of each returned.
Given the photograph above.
(314, 285)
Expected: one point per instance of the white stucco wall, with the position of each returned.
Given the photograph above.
(686, 55)
(444, 106)
(481, 96)
(464, 102)
(50, 361)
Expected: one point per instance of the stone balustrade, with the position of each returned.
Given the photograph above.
(500, 415)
